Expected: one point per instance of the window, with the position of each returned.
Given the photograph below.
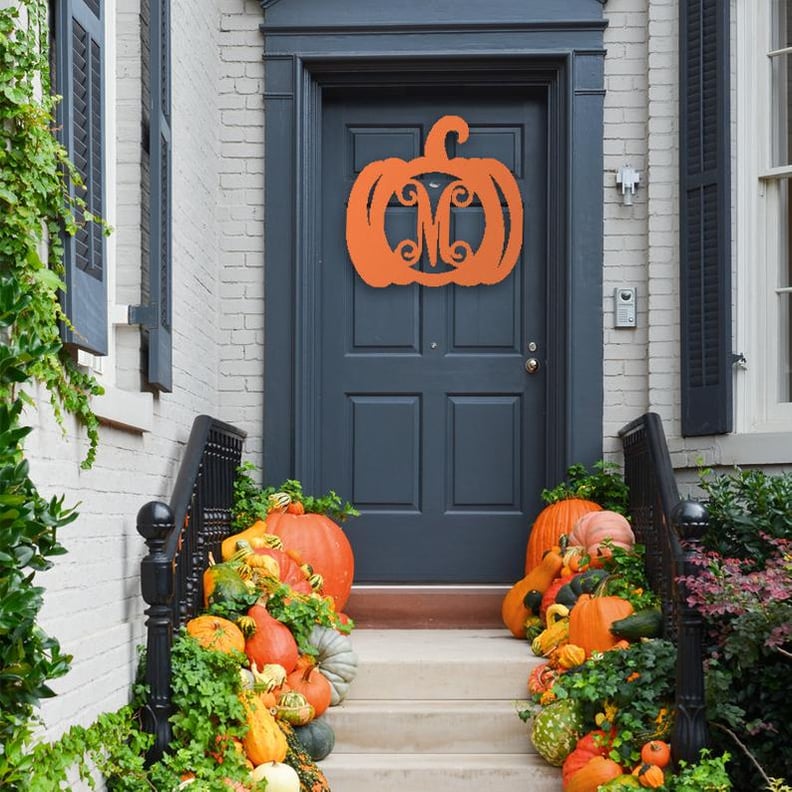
(780, 171)
(764, 215)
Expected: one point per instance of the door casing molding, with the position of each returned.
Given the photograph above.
(301, 65)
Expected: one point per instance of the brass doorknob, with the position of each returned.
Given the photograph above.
(532, 365)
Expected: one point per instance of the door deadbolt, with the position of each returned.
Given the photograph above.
(532, 365)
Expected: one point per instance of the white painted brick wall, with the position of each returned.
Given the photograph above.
(625, 240)
(92, 603)
(241, 219)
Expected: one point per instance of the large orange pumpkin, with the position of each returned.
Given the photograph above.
(216, 634)
(553, 521)
(591, 619)
(483, 179)
(272, 642)
(321, 543)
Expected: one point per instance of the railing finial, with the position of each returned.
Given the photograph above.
(690, 519)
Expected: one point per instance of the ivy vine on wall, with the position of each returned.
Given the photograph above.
(37, 206)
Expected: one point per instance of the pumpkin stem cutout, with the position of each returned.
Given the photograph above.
(483, 178)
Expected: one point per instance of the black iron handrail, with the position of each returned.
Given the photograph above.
(180, 535)
(671, 529)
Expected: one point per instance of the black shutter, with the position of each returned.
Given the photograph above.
(79, 78)
(156, 314)
(705, 217)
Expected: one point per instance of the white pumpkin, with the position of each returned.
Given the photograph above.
(279, 777)
(336, 660)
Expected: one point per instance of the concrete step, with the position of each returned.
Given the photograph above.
(431, 726)
(426, 772)
(441, 664)
(436, 711)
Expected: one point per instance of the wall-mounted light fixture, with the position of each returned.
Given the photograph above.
(628, 180)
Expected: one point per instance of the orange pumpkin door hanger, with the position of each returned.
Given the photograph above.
(379, 264)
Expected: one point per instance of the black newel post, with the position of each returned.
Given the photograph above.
(690, 734)
(155, 524)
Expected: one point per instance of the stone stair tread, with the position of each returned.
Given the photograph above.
(430, 705)
(390, 772)
(448, 726)
(440, 646)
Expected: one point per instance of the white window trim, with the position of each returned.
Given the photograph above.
(757, 407)
(117, 407)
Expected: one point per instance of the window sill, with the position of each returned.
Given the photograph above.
(125, 409)
(759, 448)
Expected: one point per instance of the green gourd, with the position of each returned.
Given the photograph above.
(317, 737)
(556, 729)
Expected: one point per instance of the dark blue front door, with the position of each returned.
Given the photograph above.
(429, 421)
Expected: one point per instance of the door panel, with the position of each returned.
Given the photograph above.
(429, 422)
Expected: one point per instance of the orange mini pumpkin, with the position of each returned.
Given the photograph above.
(216, 634)
(656, 752)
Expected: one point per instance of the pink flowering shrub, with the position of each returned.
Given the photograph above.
(743, 589)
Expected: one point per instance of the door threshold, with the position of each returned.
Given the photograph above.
(414, 607)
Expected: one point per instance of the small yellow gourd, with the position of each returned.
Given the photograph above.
(555, 634)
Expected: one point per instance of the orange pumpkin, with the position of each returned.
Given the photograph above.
(595, 743)
(513, 609)
(320, 542)
(380, 264)
(590, 621)
(272, 642)
(216, 634)
(591, 530)
(595, 772)
(552, 523)
(314, 685)
(656, 752)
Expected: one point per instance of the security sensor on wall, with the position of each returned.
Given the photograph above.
(628, 180)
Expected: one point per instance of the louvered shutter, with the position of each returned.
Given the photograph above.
(160, 330)
(79, 74)
(705, 199)
(155, 315)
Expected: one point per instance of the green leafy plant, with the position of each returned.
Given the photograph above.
(748, 511)
(627, 578)
(301, 612)
(603, 484)
(707, 775)
(625, 690)
(208, 716)
(252, 503)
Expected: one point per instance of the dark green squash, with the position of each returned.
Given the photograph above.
(317, 737)
(647, 623)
